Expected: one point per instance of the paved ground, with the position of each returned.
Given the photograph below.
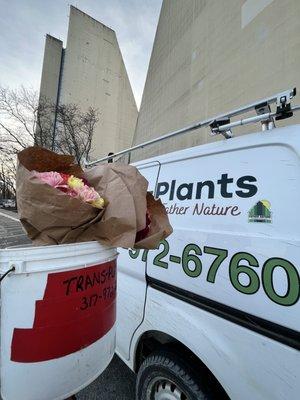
(117, 382)
(11, 233)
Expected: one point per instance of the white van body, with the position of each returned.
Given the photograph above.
(225, 285)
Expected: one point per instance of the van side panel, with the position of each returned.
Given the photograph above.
(226, 282)
(236, 238)
(248, 365)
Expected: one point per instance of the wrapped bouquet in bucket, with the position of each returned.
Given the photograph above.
(60, 203)
(58, 311)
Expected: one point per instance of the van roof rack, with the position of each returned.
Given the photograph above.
(221, 124)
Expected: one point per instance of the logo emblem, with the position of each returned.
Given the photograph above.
(261, 212)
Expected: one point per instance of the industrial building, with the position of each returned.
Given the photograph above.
(212, 56)
(90, 72)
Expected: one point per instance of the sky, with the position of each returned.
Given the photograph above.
(24, 24)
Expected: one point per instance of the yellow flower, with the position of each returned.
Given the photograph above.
(75, 183)
(99, 203)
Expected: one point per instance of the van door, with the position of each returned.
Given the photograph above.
(131, 280)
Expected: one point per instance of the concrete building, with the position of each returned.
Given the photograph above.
(90, 72)
(211, 56)
(51, 69)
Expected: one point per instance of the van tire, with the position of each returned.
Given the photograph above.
(169, 367)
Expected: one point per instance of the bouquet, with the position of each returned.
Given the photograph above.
(60, 203)
(72, 186)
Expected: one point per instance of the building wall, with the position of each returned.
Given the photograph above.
(51, 68)
(49, 90)
(211, 56)
(94, 75)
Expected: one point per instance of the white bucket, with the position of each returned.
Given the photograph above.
(57, 319)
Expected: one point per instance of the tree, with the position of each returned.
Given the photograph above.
(7, 177)
(18, 116)
(26, 120)
(74, 131)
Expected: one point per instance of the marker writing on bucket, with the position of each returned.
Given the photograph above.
(108, 292)
(82, 283)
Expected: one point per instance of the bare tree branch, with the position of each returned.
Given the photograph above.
(26, 120)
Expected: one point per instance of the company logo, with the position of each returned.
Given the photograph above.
(260, 212)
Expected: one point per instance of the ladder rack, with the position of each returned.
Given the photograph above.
(221, 124)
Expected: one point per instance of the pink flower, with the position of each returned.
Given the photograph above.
(72, 186)
(51, 178)
(87, 194)
(71, 192)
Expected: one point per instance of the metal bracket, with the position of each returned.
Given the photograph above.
(215, 125)
(283, 104)
(264, 108)
(18, 266)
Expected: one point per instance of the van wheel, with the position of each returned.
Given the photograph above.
(166, 376)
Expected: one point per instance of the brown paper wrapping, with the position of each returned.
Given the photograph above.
(49, 216)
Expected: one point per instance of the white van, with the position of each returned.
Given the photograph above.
(214, 312)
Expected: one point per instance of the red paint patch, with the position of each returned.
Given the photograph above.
(78, 308)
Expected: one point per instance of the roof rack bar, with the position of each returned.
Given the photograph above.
(245, 121)
(288, 94)
(189, 128)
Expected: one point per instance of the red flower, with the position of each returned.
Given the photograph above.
(144, 232)
(65, 178)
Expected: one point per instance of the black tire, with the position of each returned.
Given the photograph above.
(169, 367)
